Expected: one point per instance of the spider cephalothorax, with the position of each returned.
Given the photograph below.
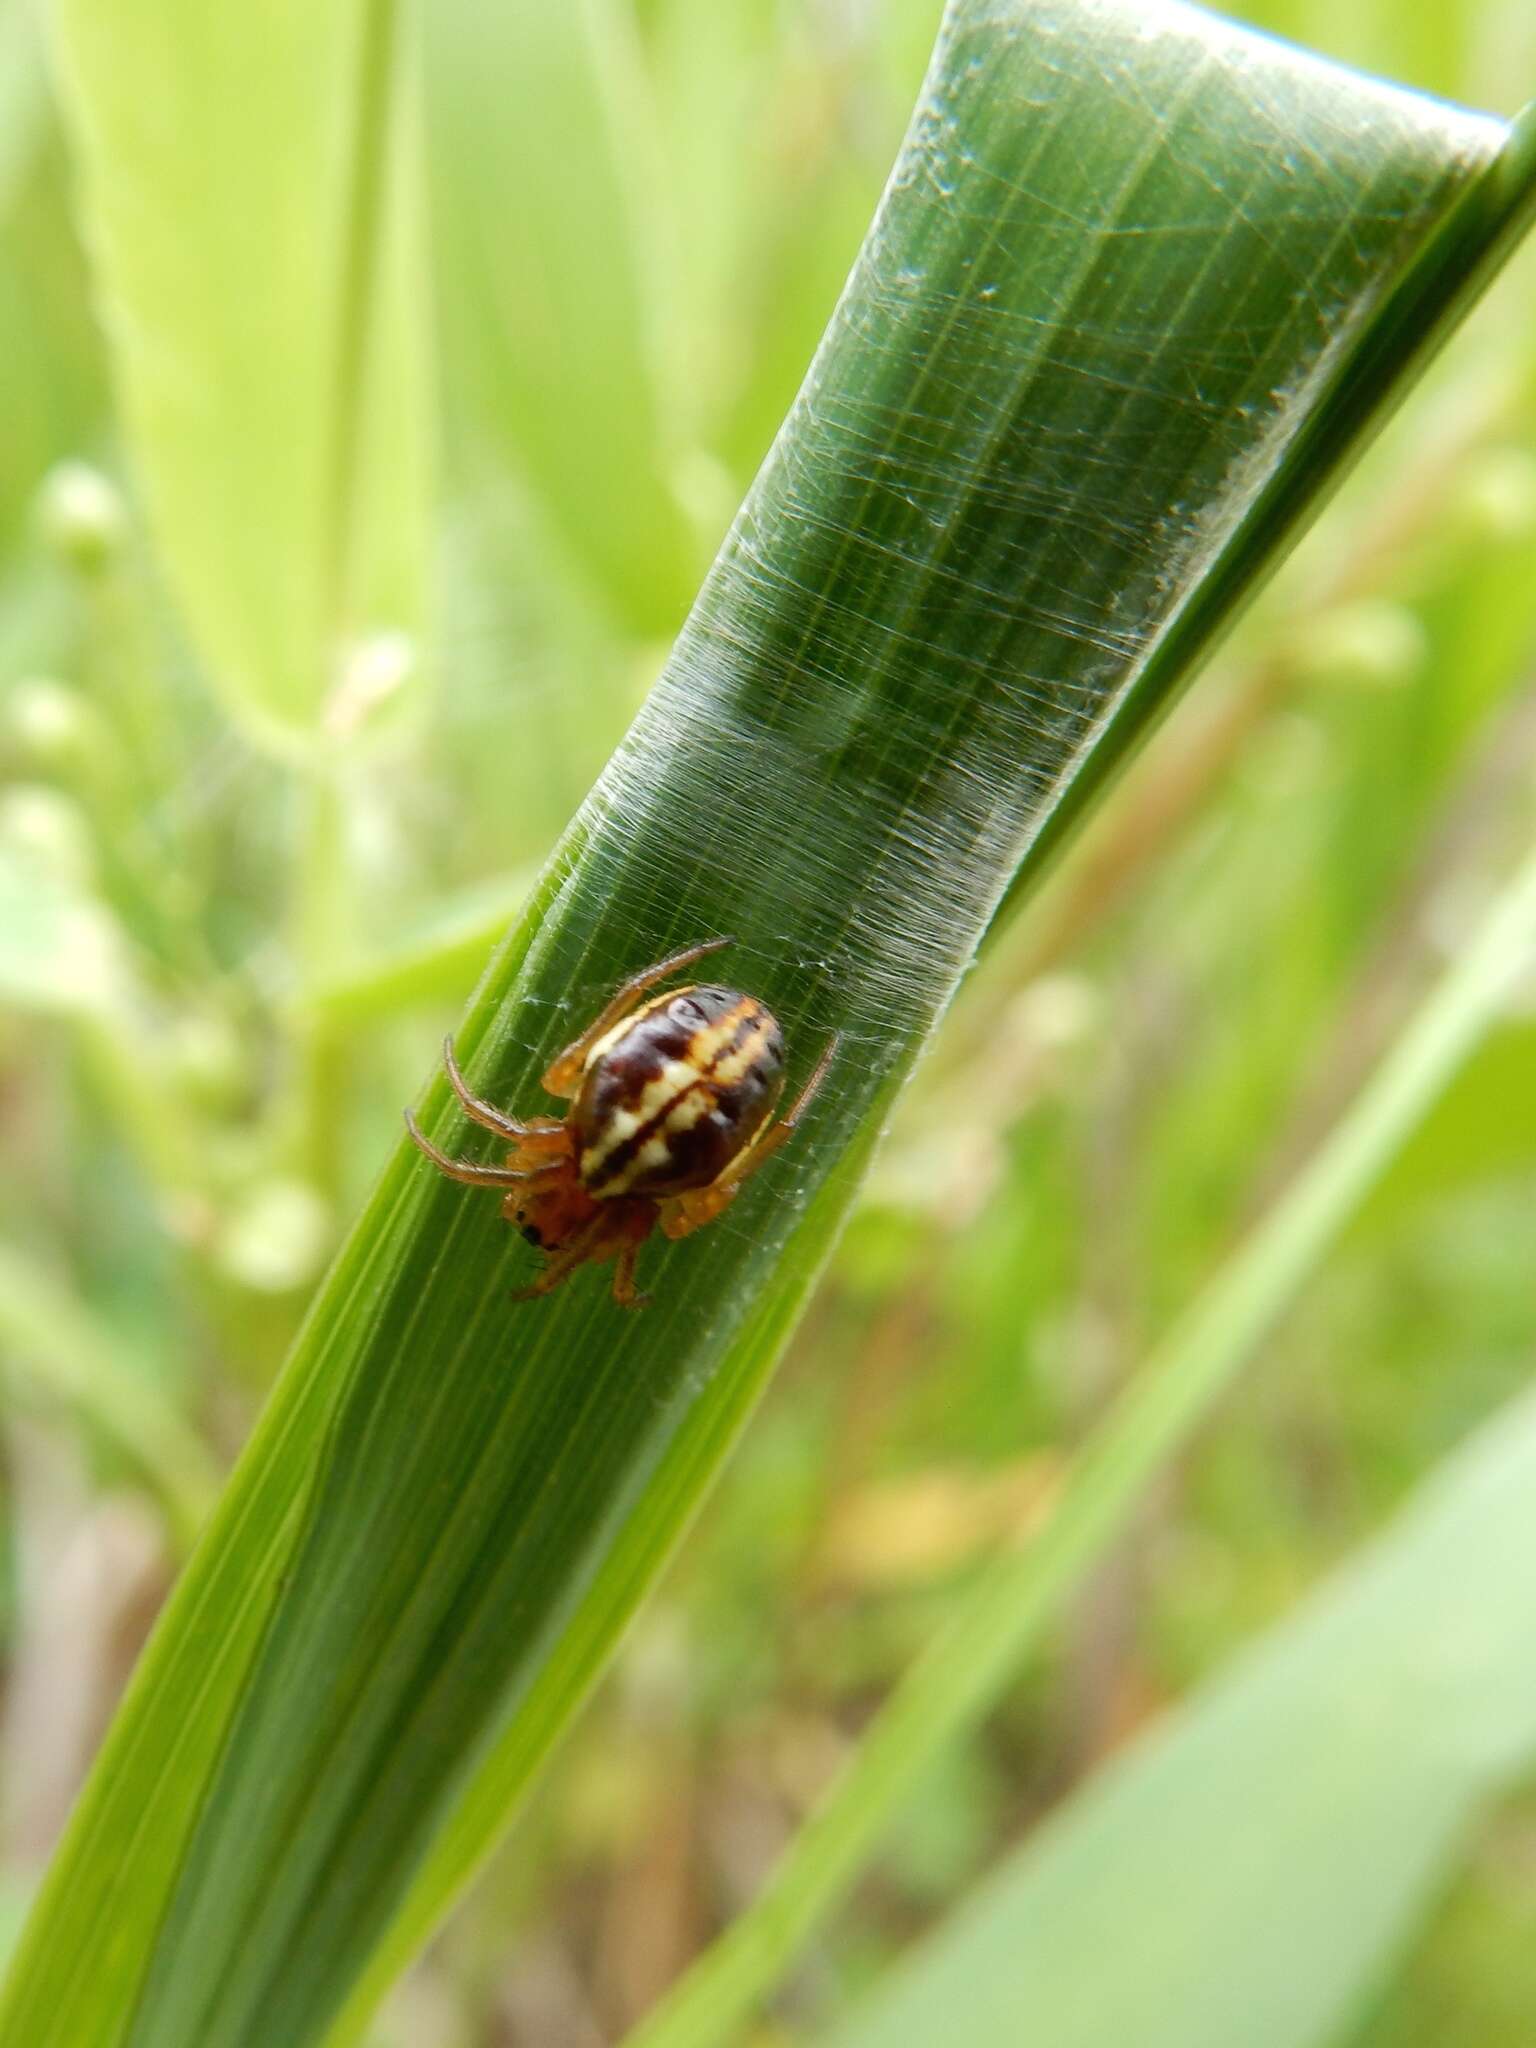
(670, 1112)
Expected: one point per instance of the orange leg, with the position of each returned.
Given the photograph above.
(682, 1214)
(625, 1293)
(484, 1113)
(564, 1075)
(474, 1175)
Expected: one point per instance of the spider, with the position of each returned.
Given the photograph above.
(670, 1113)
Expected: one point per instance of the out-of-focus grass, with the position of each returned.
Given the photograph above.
(1147, 1051)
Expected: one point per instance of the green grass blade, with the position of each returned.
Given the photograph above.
(437, 960)
(970, 1664)
(1115, 278)
(1248, 1873)
(255, 278)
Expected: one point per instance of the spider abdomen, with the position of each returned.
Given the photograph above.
(675, 1091)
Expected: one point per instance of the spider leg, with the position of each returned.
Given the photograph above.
(474, 1175)
(484, 1112)
(558, 1270)
(625, 1292)
(684, 1213)
(564, 1074)
(807, 1094)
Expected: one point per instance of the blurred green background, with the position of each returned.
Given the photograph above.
(211, 1010)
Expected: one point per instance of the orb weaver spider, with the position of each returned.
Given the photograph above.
(671, 1108)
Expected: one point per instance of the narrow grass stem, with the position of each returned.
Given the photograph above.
(322, 907)
(321, 890)
(361, 227)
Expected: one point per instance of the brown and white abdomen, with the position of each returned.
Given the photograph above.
(675, 1092)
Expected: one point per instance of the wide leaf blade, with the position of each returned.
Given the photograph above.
(1247, 1873)
(245, 203)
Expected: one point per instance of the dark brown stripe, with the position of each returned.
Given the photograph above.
(752, 1021)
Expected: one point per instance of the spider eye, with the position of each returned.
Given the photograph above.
(532, 1234)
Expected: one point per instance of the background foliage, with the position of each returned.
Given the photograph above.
(188, 930)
